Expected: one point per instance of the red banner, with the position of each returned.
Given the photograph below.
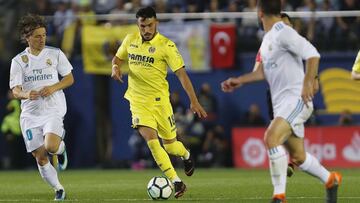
(222, 37)
(333, 146)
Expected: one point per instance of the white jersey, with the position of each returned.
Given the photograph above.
(283, 51)
(35, 72)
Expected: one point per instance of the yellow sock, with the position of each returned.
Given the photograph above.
(177, 148)
(162, 159)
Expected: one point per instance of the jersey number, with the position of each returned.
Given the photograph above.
(171, 120)
(29, 135)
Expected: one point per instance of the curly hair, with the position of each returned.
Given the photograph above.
(28, 24)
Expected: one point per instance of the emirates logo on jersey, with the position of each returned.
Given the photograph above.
(152, 50)
(48, 62)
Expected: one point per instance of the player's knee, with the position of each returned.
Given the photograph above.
(270, 139)
(51, 147)
(297, 159)
(41, 159)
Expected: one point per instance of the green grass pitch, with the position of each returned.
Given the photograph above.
(206, 185)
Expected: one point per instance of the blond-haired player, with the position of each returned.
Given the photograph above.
(34, 78)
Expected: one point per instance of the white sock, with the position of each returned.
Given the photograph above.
(61, 148)
(187, 156)
(49, 174)
(176, 179)
(313, 167)
(278, 167)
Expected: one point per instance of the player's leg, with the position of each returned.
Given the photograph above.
(276, 134)
(48, 172)
(290, 169)
(167, 132)
(53, 142)
(311, 165)
(177, 148)
(34, 142)
(162, 158)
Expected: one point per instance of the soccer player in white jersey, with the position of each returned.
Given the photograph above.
(292, 91)
(34, 79)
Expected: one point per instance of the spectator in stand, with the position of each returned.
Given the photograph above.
(160, 6)
(253, 117)
(63, 17)
(348, 28)
(119, 9)
(285, 6)
(10, 127)
(248, 31)
(208, 100)
(307, 27)
(103, 6)
(325, 27)
(214, 149)
(346, 118)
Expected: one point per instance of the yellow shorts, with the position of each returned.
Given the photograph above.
(157, 115)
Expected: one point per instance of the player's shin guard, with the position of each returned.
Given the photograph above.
(313, 167)
(162, 159)
(278, 166)
(177, 149)
(49, 174)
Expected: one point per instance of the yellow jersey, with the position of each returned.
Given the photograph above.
(356, 66)
(148, 61)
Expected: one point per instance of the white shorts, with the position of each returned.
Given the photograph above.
(33, 133)
(296, 113)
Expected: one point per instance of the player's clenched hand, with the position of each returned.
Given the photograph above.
(196, 108)
(33, 95)
(307, 93)
(230, 84)
(46, 91)
(116, 73)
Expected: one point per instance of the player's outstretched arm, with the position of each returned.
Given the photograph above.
(116, 73)
(189, 89)
(232, 83)
(65, 82)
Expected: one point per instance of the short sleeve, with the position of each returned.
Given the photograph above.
(295, 43)
(16, 74)
(356, 66)
(173, 57)
(64, 67)
(122, 51)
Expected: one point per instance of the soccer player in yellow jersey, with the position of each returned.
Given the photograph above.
(355, 74)
(148, 54)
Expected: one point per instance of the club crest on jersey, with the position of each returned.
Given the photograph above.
(25, 58)
(48, 62)
(136, 121)
(152, 49)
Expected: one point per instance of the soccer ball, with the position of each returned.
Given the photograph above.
(159, 188)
